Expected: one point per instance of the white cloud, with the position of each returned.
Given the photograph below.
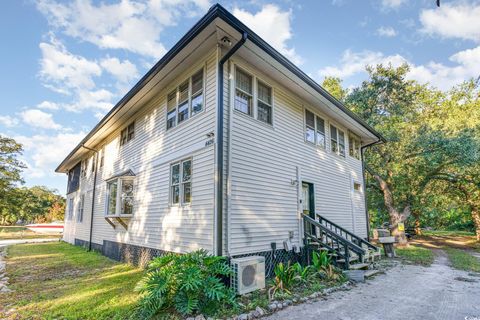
(48, 105)
(65, 70)
(118, 25)
(39, 119)
(388, 32)
(465, 65)
(273, 25)
(355, 62)
(70, 74)
(453, 21)
(47, 151)
(392, 4)
(124, 70)
(8, 121)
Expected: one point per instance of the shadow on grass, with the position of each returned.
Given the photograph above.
(58, 280)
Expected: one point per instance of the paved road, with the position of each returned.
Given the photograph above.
(4, 243)
(406, 292)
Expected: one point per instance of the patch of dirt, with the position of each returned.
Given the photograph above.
(454, 241)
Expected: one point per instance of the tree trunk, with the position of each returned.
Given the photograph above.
(395, 216)
(418, 230)
(476, 221)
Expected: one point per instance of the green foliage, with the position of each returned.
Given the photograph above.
(302, 274)
(416, 255)
(431, 162)
(321, 260)
(334, 86)
(187, 283)
(283, 280)
(463, 260)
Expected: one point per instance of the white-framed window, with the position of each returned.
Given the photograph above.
(70, 209)
(253, 96)
(181, 182)
(354, 146)
(102, 157)
(81, 206)
(337, 138)
(127, 134)
(83, 169)
(264, 102)
(314, 129)
(120, 196)
(309, 126)
(243, 92)
(186, 100)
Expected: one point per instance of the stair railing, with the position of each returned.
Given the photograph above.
(352, 237)
(332, 241)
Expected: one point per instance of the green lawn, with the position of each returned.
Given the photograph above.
(416, 255)
(447, 233)
(61, 281)
(7, 233)
(462, 260)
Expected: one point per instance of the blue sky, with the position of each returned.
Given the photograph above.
(64, 64)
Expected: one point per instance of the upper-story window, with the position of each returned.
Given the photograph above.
(83, 170)
(243, 92)
(81, 206)
(120, 196)
(314, 129)
(337, 140)
(249, 89)
(264, 102)
(102, 157)
(186, 100)
(309, 126)
(320, 131)
(127, 134)
(354, 145)
(181, 182)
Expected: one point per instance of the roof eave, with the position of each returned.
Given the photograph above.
(216, 11)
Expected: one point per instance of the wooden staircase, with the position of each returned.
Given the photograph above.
(350, 251)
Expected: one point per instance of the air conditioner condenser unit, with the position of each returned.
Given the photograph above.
(249, 274)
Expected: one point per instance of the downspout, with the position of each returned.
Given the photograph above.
(93, 195)
(365, 183)
(219, 173)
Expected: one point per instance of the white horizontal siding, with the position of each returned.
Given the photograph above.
(263, 201)
(155, 224)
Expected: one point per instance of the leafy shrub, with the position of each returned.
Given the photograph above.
(302, 274)
(188, 283)
(322, 264)
(321, 260)
(283, 280)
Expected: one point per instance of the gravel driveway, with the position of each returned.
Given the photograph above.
(405, 292)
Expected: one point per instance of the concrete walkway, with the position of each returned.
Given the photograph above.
(4, 243)
(406, 292)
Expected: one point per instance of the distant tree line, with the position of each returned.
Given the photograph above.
(428, 173)
(22, 204)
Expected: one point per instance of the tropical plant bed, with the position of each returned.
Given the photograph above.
(190, 285)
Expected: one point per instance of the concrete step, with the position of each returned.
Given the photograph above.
(371, 273)
(359, 266)
(352, 259)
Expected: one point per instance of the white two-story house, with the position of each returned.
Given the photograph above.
(223, 145)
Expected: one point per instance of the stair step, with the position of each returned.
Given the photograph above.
(352, 259)
(358, 266)
(371, 273)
